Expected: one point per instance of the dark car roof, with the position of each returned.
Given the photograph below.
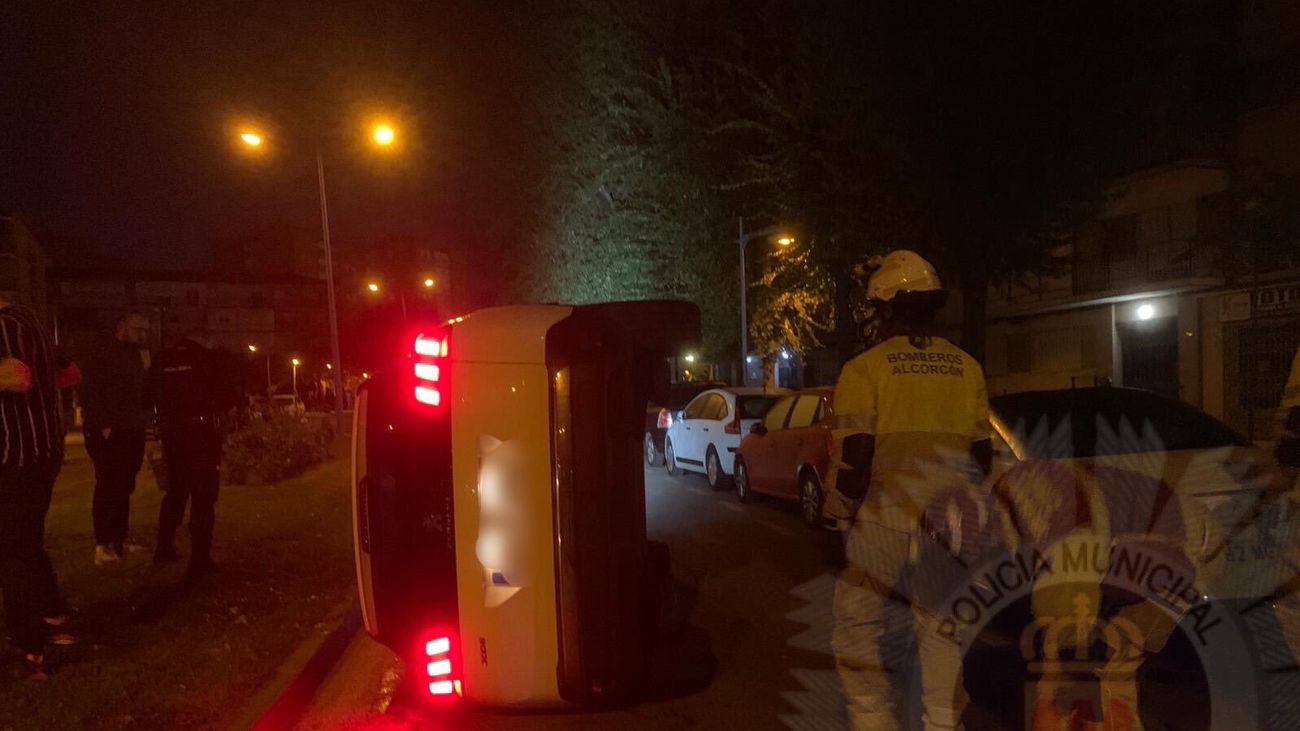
(1105, 420)
(679, 394)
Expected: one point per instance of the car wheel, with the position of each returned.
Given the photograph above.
(670, 458)
(653, 457)
(810, 499)
(740, 479)
(718, 480)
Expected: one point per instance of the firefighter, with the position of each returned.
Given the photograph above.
(192, 394)
(912, 426)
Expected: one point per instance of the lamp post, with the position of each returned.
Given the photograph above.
(329, 294)
(375, 288)
(384, 136)
(745, 238)
(296, 363)
(253, 349)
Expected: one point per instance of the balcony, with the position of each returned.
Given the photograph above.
(1153, 264)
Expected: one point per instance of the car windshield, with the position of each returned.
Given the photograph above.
(1104, 422)
(753, 407)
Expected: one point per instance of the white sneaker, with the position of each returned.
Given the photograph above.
(105, 555)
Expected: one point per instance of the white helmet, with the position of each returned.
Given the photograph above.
(902, 271)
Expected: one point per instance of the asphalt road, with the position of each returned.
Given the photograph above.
(755, 652)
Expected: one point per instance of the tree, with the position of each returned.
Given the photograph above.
(794, 308)
(794, 110)
(625, 212)
(981, 135)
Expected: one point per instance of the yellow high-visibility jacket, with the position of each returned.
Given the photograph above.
(925, 402)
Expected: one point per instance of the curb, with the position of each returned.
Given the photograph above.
(292, 701)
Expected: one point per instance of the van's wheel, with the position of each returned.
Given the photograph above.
(810, 499)
(718, 480)
(653, 457)
(670, 458)
(740, 479)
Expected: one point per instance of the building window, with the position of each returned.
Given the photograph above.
(1264, 360)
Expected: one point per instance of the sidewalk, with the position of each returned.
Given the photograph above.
(161, 651)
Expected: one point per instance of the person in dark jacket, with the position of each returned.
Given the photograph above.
(32, 374)
(192, 392)
(113, 405)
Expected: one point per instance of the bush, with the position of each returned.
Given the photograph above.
(274, 449)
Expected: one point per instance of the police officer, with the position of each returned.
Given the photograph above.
(192, 394)
(911, 412)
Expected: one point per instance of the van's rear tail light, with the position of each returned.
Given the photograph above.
(732, 427)
(665, 418)
(439, 669)
(430, 396)
(430, 350)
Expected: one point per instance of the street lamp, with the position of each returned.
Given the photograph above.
(745, 238)
(253, 349)
(295, 363)
(374, 288)
(428, 282)
(383, 135)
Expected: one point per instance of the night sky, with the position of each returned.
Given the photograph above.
(119, 121)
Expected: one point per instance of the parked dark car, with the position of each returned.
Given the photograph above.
(658, 417)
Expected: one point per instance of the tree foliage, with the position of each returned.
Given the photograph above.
(794, 307)
(627, 210)
(979, 134)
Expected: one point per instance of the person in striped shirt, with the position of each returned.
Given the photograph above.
(32, 376)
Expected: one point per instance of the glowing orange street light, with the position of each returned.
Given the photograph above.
(785, 240)
(252, 139)
(428, 282)
(373, 286)
(383, 135)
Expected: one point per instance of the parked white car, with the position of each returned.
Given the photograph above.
(705, 437)
(288, 403)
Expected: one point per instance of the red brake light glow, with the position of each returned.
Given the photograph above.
(665, 418)
(439, 667)
(428, 346)
(732, 427)
(429, 350)
(426, 372)
(430, 396)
